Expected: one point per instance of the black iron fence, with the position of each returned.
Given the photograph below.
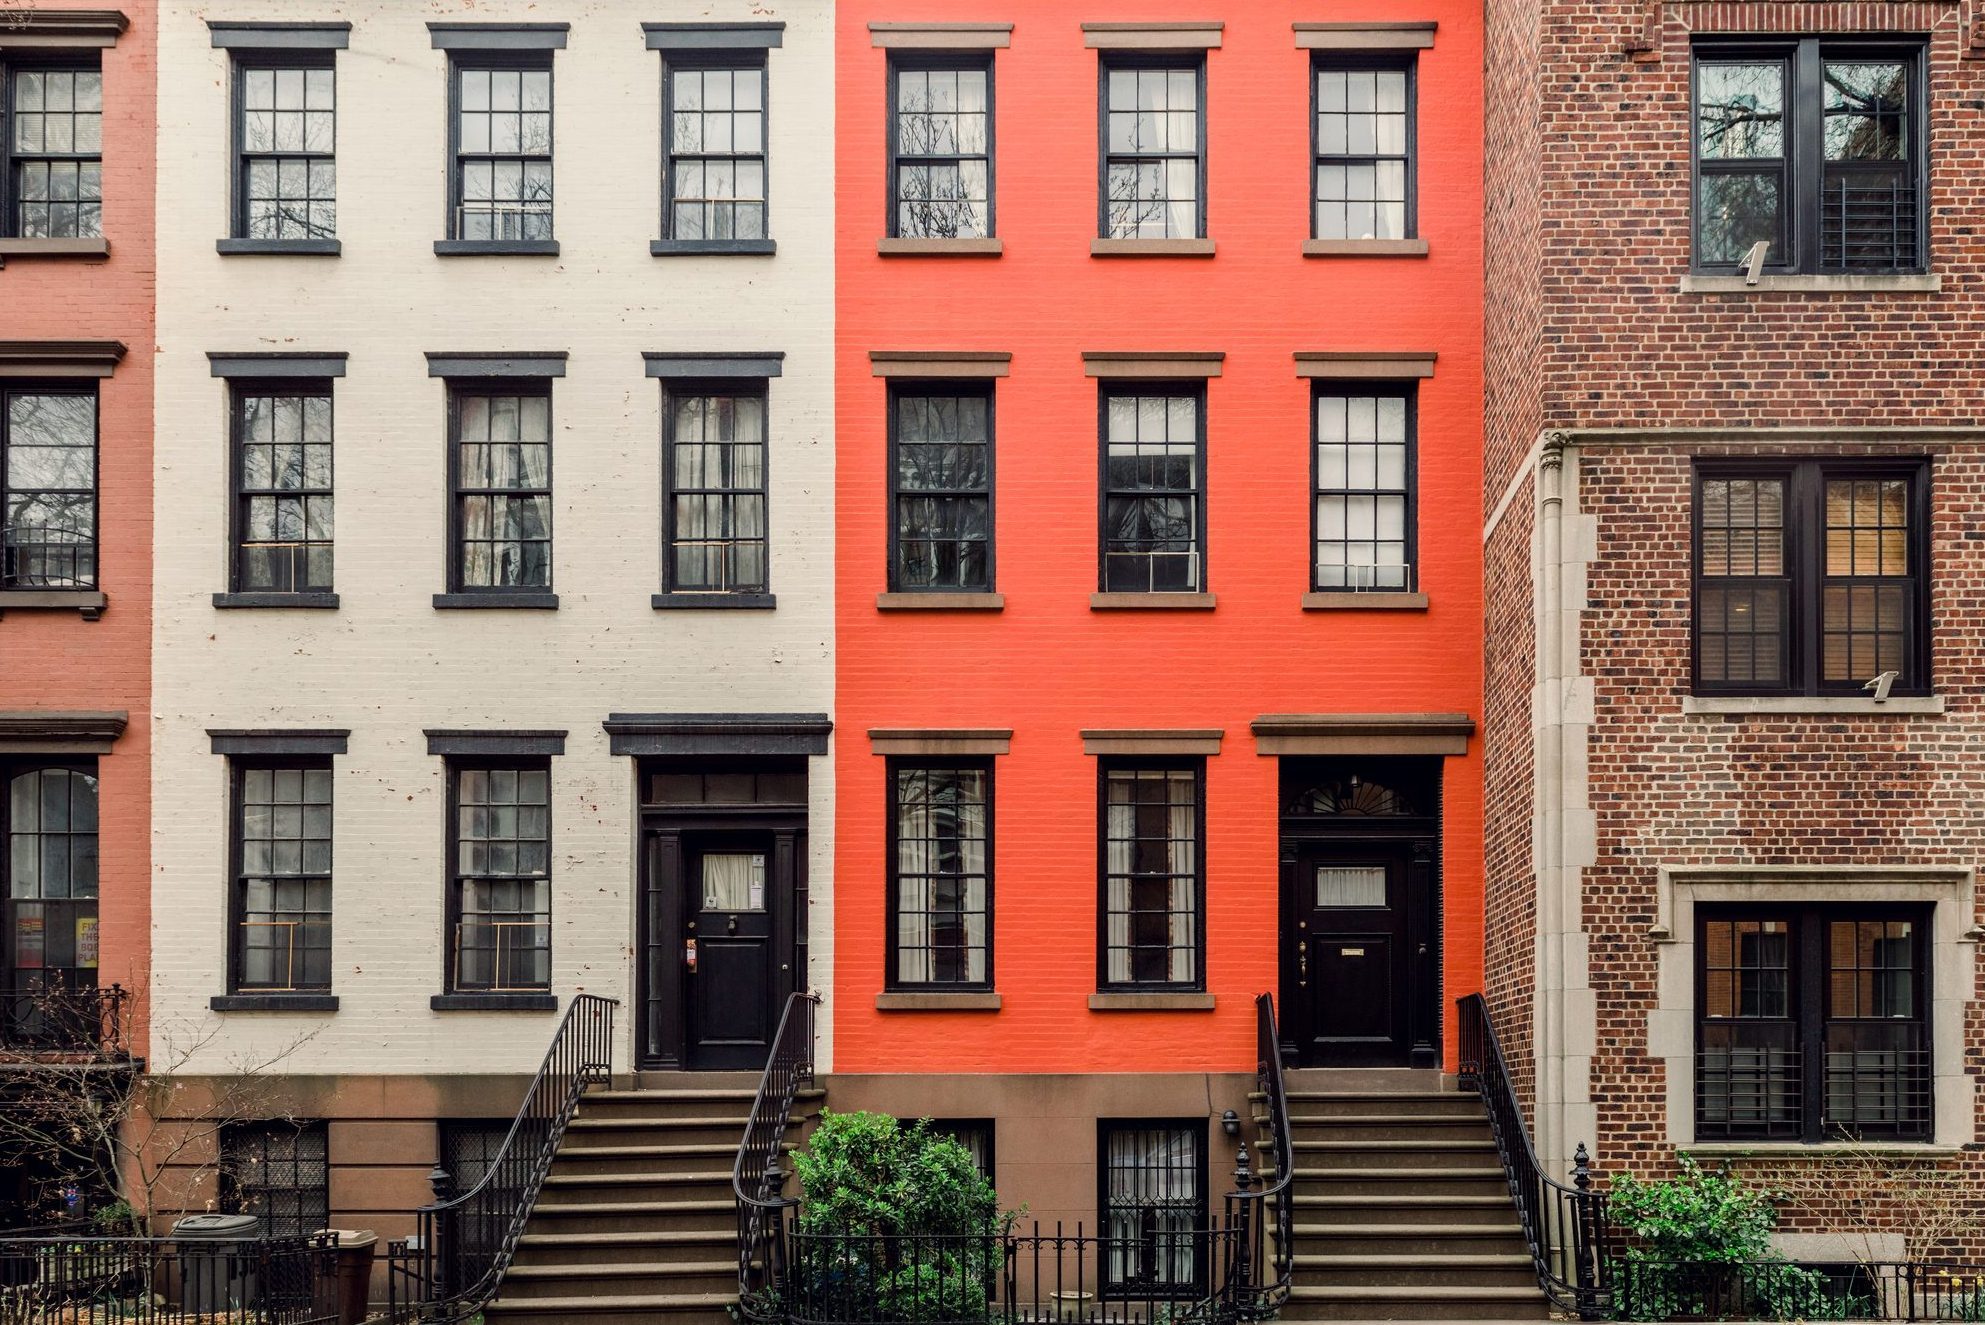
(452, 1266)
(168, 1281)
(1765, 1290)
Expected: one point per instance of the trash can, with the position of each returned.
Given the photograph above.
(216, 1267)
(349, 1294)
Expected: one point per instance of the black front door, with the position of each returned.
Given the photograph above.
(1352, 956)
(731, 975)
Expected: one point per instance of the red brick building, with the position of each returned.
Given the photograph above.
(1733, 579)
(75, 534)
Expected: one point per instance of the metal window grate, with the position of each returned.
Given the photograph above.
(1868, 224)
(1151, 876)
(469, 1146)
(280, 1172)
(943, 918)
(1153, 1195)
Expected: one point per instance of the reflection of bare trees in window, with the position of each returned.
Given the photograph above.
(943, 153)
(56, 139)
(288, 137)
(286, 501)
(504, 147)
(1868, 208)
(1151, 176)
(716, 164)
(48, 490)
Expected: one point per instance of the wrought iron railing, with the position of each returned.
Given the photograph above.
(1782, 1290)
(464, 1242)
(69, 1021)
(1565, 1226)
(1262, 1219)
(1868, 221)
(168, 1281)
(758, 1177)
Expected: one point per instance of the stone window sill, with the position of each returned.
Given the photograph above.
(273, 1002)
(496, 598)
(736, 602)
(310, 600)
(712, 248)
(86, 601)
(1333, 601)
(940, 248)
(937, 1002)
(1364, 248)
(1150, 248)
(1926, 283)
(1151, 602)
(53, 248)
(1151, 1002)
(1825, 706)
(940, 602)
(301, 248)
(1822, 1150)
(494, 1002)
(496, 248)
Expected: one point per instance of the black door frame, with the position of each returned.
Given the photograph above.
(1418, 835)
(661, 921)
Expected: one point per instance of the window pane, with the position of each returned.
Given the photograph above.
(1740, 110)
(943, 879)
(1151, 876)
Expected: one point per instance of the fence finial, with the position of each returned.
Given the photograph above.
(1581, 1168)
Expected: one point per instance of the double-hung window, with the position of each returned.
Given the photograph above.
(941, 147)
(1813, 1023)
(1813, 148)
(713, 174)
(286, 133)
(283, 503)
(1153, 148)
(1811, 577)
(941, 486)
(941, 875)
(500, 471)
(53, 150)
(1152, 1202)
(282, 901)
(1153, 489)
(48, 892)
(502, 148)
(1153, 875)
(48, 487)
(1364, 149)
(1364, 489)
(714, 530)
(499, 883)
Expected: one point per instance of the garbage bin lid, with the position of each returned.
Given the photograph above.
(216, 1226)
(354, 1238)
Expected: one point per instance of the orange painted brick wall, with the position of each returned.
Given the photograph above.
(56, 660)
(1048, 666)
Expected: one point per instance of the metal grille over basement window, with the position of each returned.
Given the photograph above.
(1153, 1198)
(280, 1172)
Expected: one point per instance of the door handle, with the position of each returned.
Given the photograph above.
(1302, 963)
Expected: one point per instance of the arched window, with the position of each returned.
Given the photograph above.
(1354, 795)
(49, 863)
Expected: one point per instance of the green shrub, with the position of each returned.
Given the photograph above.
(1696, 1216)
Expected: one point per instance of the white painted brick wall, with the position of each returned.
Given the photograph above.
(386, 664)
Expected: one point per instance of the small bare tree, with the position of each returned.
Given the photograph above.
(1869, 1193)
(15, 13)
(150, 1136)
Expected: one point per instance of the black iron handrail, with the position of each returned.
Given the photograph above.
(1263, 1218)
(1565, 1226)
(72, 1022)
(466, 1241)
(757, 1179)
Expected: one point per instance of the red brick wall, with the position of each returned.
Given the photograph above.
(56, 660)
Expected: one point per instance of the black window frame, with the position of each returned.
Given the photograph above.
(1809, 997)
(38, 1012)
(1406, 62)
(1109, 1285)
(12, 63)
(1106, 62)
(240, 391)
(955, 389)
(460, 389)
(754, 388)
(703, 59)
(1806, 576)
(933, 61)
(239, 766)
(246, 1146)
(1409, 392)
(9, 389)
(243, 62)
(1196, 766)
(498, 61)
(894, 767)
(454, 878)
(1107, 391)
(1803, 171)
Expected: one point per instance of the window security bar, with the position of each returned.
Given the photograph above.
(1868, 224)
(1151, 572)
(54, 558)
(504, 220)
(489, 952)
(284, 943)
(1385, 576)
(710, 565)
